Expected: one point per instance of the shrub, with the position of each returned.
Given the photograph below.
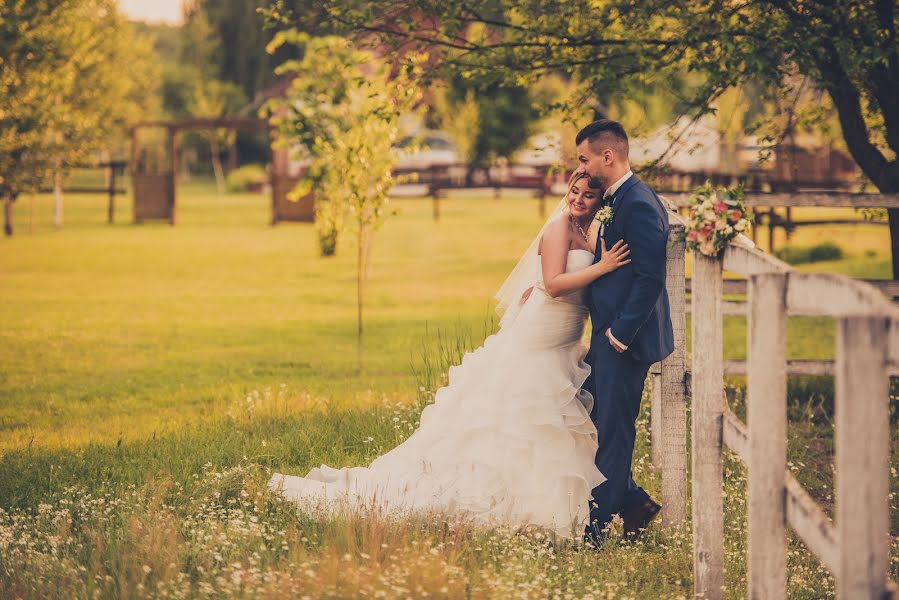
(797, 255)
(327, 241)
(247, 177)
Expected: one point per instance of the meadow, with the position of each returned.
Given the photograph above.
(152, 376)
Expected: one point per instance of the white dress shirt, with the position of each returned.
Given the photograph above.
(602, 230)
(614, 187)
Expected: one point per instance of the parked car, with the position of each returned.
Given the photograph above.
(435, 148)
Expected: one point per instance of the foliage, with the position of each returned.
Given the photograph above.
(797, 255)
(343, 111)
(503, 113)
(73, 76)
(847, 50)
(244, 60)
(246, 178)
(460, 118)
(207, 96)
(716, 217)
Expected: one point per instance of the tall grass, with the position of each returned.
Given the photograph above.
(152, 521)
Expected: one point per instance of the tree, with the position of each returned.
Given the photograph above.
(506, 118)
(73, 75)
(848, 49)
(208, 96)
(342, 111)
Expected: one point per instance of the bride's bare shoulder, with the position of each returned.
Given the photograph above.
(556, 234)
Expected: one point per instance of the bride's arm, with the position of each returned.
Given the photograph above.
(554, 259)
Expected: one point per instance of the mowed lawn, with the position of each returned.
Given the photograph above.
(162, 371)
(129, 330)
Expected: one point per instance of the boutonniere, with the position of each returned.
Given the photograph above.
(604, 215)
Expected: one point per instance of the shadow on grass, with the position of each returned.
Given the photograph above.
(293, 442)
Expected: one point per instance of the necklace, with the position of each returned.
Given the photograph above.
(579, 228)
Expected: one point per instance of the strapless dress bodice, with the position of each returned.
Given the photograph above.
(577, 260)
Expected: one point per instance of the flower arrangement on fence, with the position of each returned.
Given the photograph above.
(716, 217)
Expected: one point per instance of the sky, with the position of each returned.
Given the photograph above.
(168, 11)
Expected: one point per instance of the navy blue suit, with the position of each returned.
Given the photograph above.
(633, 302)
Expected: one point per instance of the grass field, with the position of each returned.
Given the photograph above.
(152, 375)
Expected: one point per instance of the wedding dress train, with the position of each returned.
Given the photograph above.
(507, 441)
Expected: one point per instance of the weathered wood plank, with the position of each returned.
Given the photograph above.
(809, 199)
(735, 435)
(707, 382)
(767, 422)
(672, 401)
(731, 286)
(794, 367)
(811, 524)
(844, 296)
(728, 307)
(749, 261)
(889, 287)
(862, 452)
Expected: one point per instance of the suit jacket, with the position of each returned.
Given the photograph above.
(632, 300)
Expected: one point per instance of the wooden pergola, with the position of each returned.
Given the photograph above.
(155, 190)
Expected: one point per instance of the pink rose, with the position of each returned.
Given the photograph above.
(692, 235)
(720, 207)
(736, 215)
(708, 228)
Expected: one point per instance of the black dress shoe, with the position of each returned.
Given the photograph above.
(636, 520)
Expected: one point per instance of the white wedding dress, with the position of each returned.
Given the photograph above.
(508, 441)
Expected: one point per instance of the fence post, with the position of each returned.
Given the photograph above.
(862, 451)
(767, 424)
(655, 421)
(671, 398)
(707, 415)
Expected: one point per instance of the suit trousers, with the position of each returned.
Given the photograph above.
(616, 383)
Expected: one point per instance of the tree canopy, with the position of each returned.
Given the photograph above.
(847, 49)
(73, 76)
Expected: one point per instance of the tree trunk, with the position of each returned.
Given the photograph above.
(360, 280)
(893, 214)
(363, 268)
(7, 214)
(217, 165)
(232, 153)
(57, 199)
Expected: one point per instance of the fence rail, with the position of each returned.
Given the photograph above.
(855, 545)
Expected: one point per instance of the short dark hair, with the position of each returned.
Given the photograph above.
(607, 131)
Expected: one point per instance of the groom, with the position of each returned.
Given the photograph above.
(631, 325)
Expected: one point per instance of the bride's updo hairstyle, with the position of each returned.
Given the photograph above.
(577, 176)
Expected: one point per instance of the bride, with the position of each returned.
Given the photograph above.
(509, 440)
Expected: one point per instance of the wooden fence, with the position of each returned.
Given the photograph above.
(767, 205)
(855, 545)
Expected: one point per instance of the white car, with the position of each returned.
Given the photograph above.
(435, 148)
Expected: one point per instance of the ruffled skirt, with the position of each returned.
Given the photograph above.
(508, 441)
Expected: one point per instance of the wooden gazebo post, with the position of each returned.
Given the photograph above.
(174, 152)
